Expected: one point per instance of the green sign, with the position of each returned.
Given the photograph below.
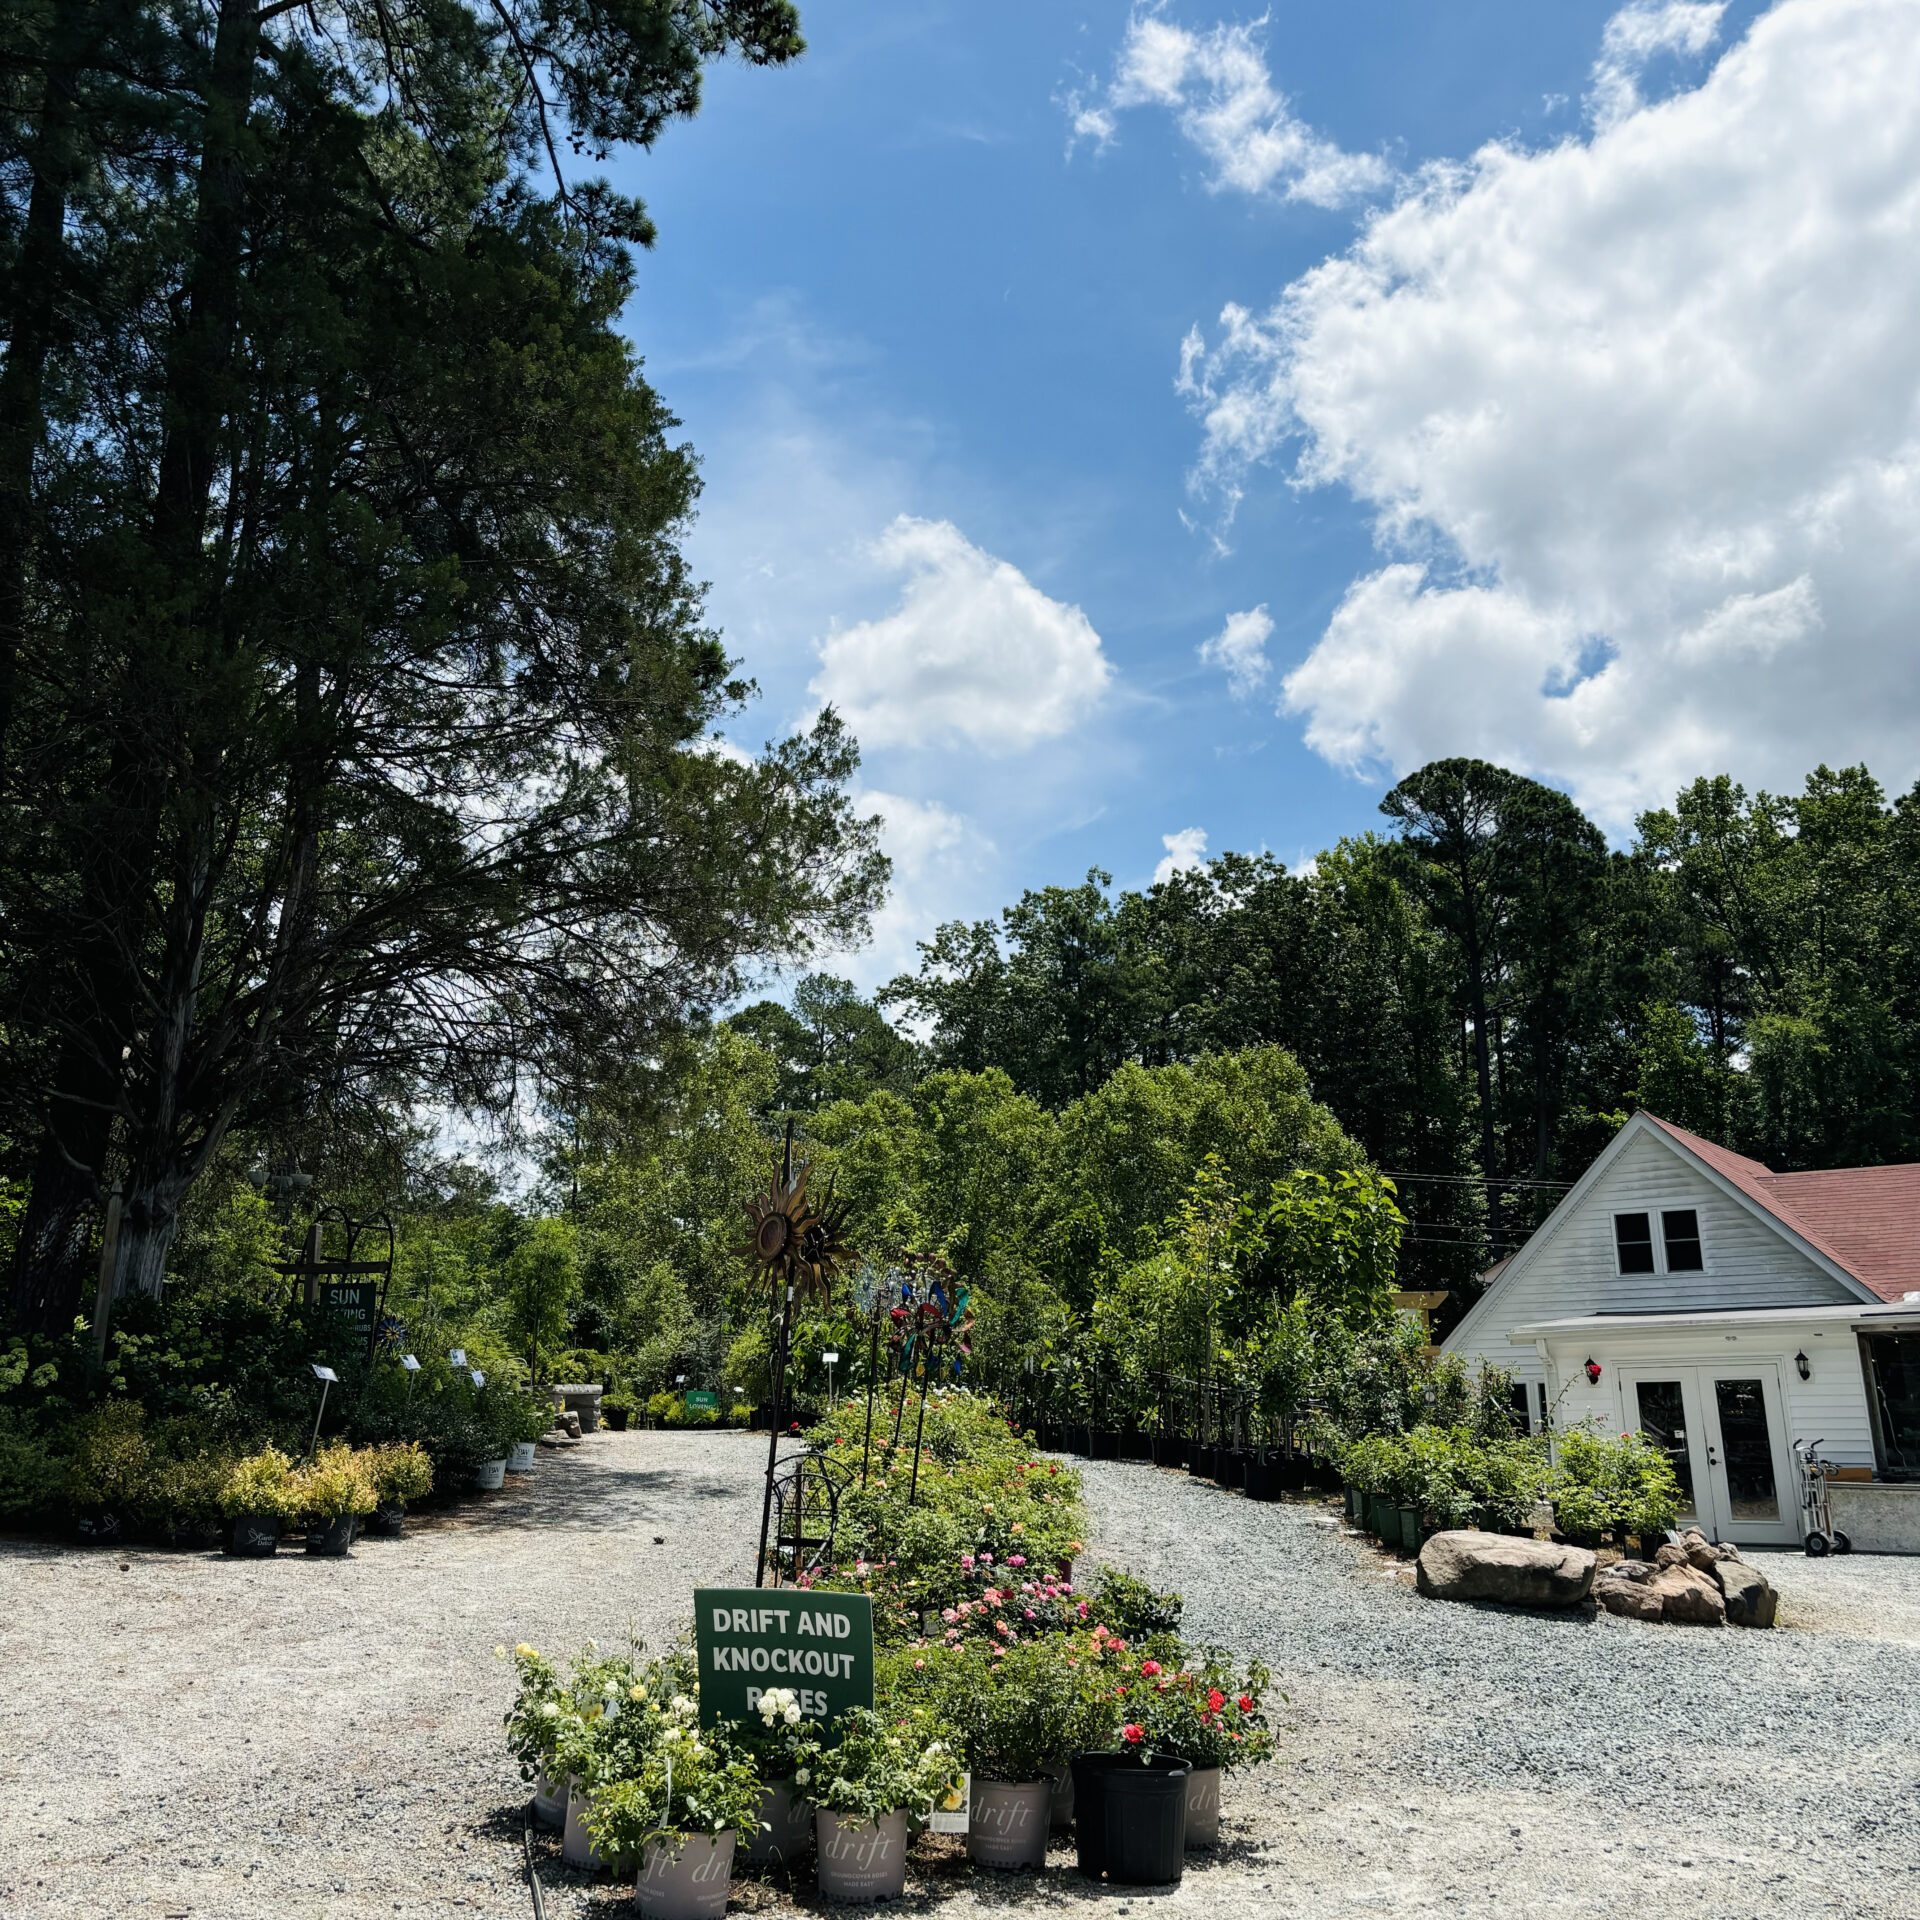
(750, 1639)
(357, 1300)
(700, 1397)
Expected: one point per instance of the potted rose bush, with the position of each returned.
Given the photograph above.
(678, 1812)
(1192, 1705)
(611, 1714)
(1017, 1715)
(779, 1739)
(533, 1731)
(868, 1789)
(257, 1502)
(331, 1492)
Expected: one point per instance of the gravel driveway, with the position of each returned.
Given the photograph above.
(296, 1738)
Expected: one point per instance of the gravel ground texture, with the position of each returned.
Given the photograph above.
(186, 1736)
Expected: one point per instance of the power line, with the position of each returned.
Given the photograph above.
(1478, 1180)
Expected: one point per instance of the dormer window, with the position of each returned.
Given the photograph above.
(1633, 1239)
(1680, 1230)
(1677, 1249)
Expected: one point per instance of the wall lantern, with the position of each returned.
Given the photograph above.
(1593, 1370)
(1801, 1361)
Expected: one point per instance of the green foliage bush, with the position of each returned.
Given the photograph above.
(1602, 1484)
(262, 1483)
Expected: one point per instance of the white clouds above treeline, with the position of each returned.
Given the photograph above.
(1218, 88)
(973, 652)
(1638, 421)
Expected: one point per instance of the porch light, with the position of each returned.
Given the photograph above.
(1801, 1361)
(1593, 1370)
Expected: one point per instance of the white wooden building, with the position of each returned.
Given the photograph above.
(1728, 1311)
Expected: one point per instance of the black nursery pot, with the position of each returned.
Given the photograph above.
(331, 1537)
(1200, 1462)
(252, 1536)
(1130, 1817)
(1265, 1479)
(615, 1417)
(1229, 1469)
(1170, 1450)
(388, 1522)
(1106, 1446)
(99, 1529)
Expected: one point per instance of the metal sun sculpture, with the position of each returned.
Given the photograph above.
(794, 1241)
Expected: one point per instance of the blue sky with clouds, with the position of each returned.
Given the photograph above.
(1155, 426)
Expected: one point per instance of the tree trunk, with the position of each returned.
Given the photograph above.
(29, 342)
(50, 1269)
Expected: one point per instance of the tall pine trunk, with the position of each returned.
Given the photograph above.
(51, 1269)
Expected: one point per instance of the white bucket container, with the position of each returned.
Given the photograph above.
(550, 1801)
(689, 1882)
(576, 1844)
(520, 1460)
(785, 1828)
(1203, 1807)
(490, 1475)
(1007, 1823)
(862, 1859)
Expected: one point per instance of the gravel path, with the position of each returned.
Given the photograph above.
(305, 1738)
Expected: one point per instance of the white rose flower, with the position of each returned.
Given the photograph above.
(790, 1715)
(801, 1776)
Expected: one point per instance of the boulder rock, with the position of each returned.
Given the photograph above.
(1671, 1556)
(1468, 1565)
(1748, 1594)
(1627, 1590)
(1689, 1597)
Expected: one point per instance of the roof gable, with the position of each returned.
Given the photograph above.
(1748, 1182)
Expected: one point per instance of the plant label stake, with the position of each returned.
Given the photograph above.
(327, 1378)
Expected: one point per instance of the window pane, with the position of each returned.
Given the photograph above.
(1663, 1420)
(1520, 1406)
(1681, 1231)
(1751, 1492)
(1896, 1397)
(1633, 1235)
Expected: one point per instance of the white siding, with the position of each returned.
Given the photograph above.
(1830, 1407)
(1572, 1271)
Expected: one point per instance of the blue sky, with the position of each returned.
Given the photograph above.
(892, 281)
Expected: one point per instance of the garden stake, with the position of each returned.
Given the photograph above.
(779, 1386)
(873, 1362)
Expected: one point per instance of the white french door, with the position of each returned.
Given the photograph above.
(1724, 1428)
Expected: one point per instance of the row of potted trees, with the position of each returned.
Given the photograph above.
(1405, 1486)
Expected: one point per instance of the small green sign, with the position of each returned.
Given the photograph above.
(750, 1639)
(700, 1397)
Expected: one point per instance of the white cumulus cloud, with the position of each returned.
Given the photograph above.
(1638, 35)
(1638, 421)
(1220, 91)
(974, 651)
(1186, 850)
(1240, 650)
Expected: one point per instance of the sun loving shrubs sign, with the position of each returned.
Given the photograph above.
(751, 1638)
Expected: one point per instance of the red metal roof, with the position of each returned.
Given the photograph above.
(1866, 1220)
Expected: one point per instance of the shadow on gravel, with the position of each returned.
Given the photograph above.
(584, 1492)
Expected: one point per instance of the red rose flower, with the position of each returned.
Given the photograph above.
(1149, 1668)
(1216, 1699)
(1245, 1703)
(1133, 1734)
